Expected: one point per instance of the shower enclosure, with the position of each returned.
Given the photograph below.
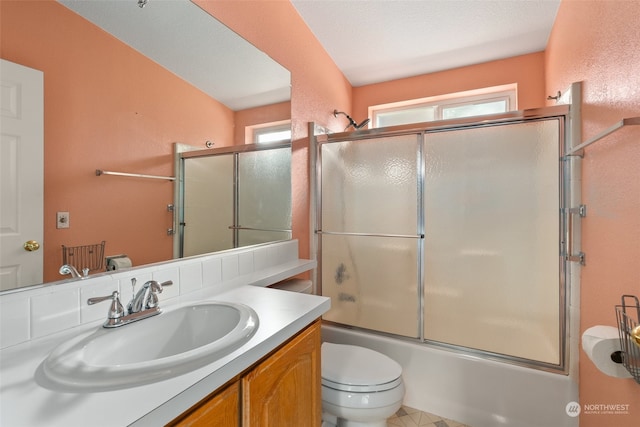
(234, 196)
(452, 233)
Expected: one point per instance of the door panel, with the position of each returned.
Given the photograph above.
(492, 257)
(21, 174)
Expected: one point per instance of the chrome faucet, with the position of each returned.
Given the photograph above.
(70, 269)
(143, 304)
(147, 296)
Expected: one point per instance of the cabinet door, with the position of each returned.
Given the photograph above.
(285, 389)
(221, 410)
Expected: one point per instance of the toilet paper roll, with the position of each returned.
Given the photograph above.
(599, 342)
(119, 263)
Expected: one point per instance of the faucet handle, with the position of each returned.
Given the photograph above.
(167, 283)
(116, 310)
(156, 288)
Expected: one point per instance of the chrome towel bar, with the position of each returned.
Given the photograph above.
(578, 149)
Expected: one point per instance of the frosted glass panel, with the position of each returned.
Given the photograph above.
(208, 204)
(370, 186)
(492, 258)
(264, 196)
(253, 237)
(372, 282)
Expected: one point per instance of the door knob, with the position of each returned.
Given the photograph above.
(31, 245)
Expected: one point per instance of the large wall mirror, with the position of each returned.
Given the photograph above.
(125, 85)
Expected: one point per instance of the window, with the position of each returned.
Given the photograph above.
(267, 133)
(497, 99)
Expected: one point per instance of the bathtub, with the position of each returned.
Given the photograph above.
(469, 389)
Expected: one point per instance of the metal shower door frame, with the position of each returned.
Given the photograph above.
(422, 130)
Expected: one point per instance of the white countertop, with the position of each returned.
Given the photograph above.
(24, 402)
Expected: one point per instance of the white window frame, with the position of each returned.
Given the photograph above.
(253, 133)
(508, 93)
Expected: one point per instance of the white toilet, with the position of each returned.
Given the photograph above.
(360, 387)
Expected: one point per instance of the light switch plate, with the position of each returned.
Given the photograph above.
(62, 220)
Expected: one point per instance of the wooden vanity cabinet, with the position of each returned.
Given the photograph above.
(220, 410)
(283, 389)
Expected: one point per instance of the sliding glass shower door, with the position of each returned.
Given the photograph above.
(207, 206)
(453, 235)
(492, 233)
(370, 233)
(235, 198)
(264, 196)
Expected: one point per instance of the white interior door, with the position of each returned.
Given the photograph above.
(21, 175)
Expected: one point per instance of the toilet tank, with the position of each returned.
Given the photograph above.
(294, 285)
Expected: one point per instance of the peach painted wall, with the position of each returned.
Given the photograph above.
(258, 115)
(526, 70)
(317, 85)
(106, 107)
(597, 42)
(592, 41)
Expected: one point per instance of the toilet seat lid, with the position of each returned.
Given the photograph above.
(353, 368)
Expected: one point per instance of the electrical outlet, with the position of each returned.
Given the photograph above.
(62, 220)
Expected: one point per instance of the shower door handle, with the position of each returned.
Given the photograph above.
(569, 255)
(346, 233)
(279, 230)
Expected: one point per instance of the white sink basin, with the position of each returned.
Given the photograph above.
(153, 349)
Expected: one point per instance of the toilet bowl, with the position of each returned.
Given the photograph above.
(360, 387)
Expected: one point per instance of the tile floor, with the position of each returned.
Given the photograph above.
(409, 417)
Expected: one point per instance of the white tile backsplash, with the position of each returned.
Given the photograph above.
(191, 277)
(230, 268)
(14, 320)
(211, 272)
(282, 253)
(287, 251)
(245, 263)
(43, 310)
(55, 311)
(260, 259)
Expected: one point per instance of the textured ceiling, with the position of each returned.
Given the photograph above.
(379, 40)
(187, 41)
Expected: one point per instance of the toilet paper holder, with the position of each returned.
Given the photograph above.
(629, 330)
(109, 261)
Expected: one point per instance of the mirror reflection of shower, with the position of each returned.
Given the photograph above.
(352, 123)
(233, 196)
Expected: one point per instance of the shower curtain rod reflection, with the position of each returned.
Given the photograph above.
(134, 175)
